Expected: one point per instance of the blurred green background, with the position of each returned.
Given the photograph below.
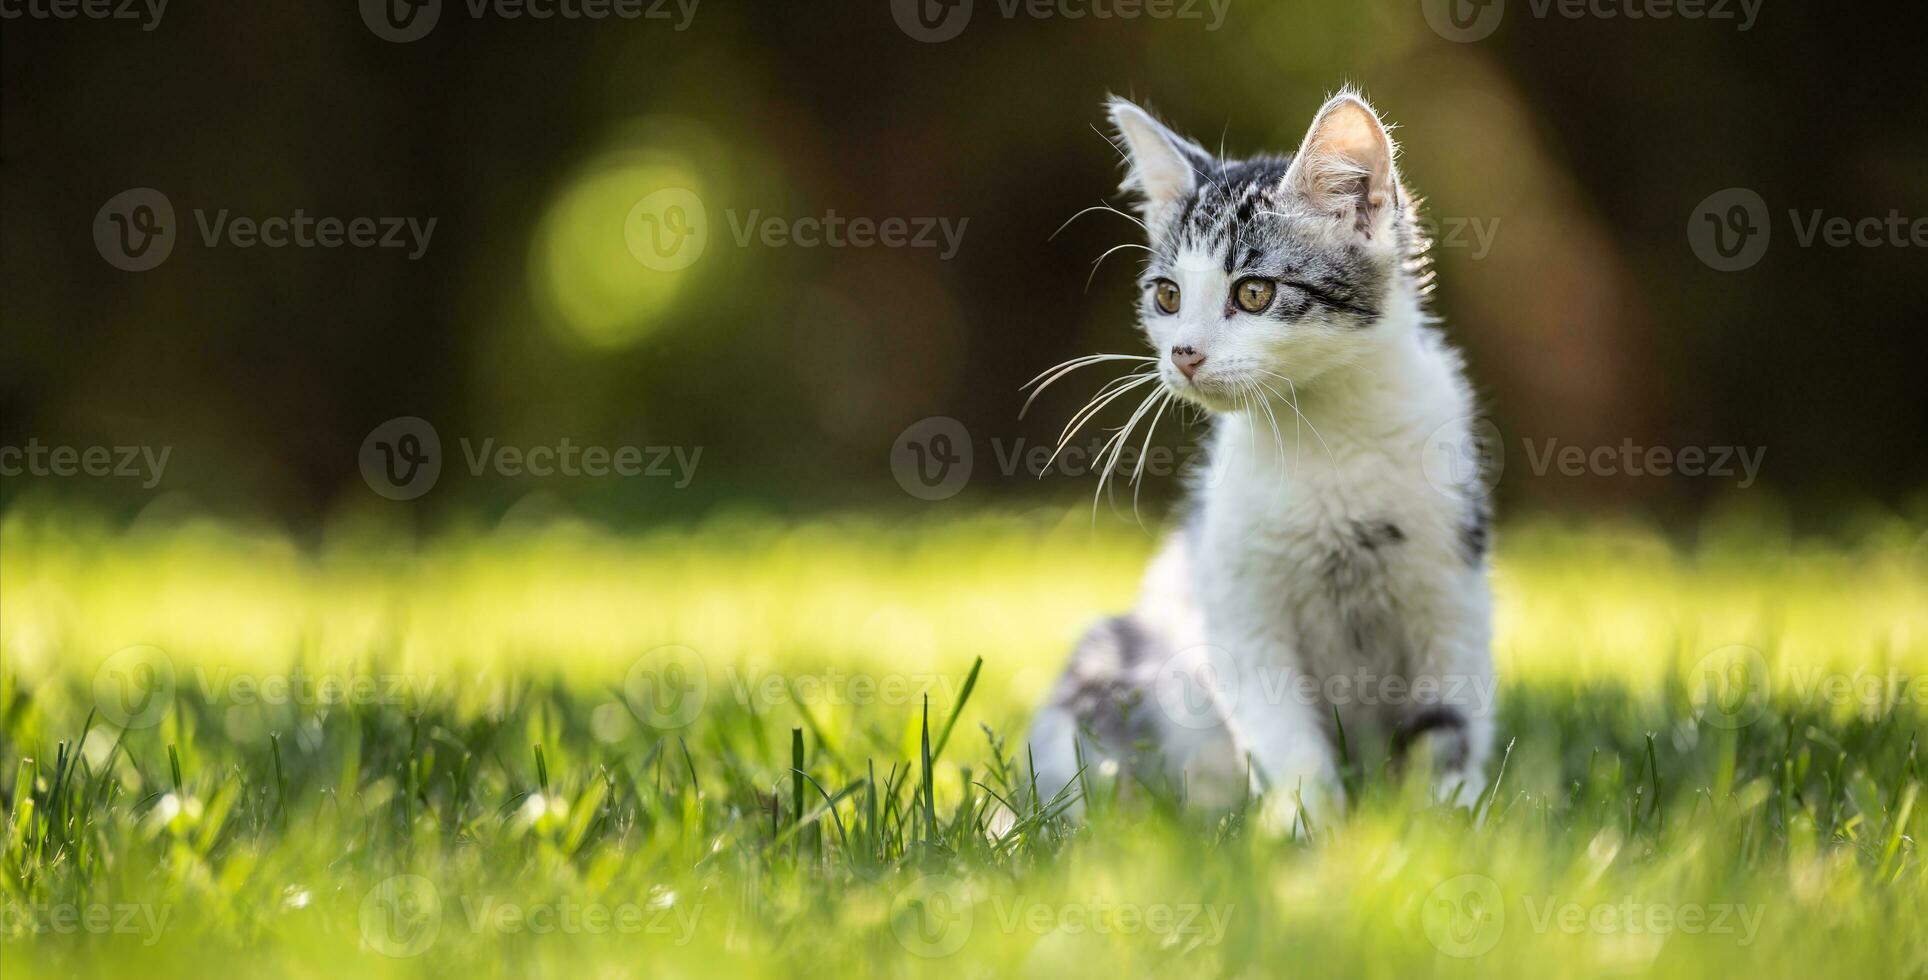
(1570, 161)
(1581, 145)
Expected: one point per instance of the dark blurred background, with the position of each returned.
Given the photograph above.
(1579, 146)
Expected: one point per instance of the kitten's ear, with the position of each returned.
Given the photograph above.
(1163, 165)
(1345, 166)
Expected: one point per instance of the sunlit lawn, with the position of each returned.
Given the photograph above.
(563, 752)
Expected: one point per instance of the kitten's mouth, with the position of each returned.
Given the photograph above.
(1208, 392)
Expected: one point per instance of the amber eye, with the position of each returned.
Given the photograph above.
(1164, 292)
(1253, 295)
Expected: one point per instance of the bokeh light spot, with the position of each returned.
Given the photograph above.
(618, 244)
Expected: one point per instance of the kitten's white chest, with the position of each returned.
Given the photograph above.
(1333, 554)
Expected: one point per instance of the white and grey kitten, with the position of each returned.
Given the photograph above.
(1317, 582)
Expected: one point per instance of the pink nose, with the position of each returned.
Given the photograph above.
(1188, 359)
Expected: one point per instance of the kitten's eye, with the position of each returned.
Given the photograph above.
(1253, 295)
(1164, 293)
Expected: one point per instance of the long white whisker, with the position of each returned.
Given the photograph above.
(1107, 252)
(1272, 418)
(1138, 472)
(1103, 397)
(1081, 361)
(1067, 367)
(1297, 425)
(1119, 440)
(1277, 434)
(1265, 406)
(1109, 464)
(1118, 437)
(1252, 432)
(1144, 452)
(1100, 260)
(1096, 207)
(1308, 422)
(1090, 412)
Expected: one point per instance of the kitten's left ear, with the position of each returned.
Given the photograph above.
(1345, 166)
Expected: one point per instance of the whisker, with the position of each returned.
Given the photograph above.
(1096, 207)
(1308, 422)
(1066, 368)
(1082, 360)
(1272, 418)
(1100, 260)
(1103, 396)
(1278, 437)
(1144, 453)
(1118, 440)
(1245, 390)
(1090, 411)
(1138, 471)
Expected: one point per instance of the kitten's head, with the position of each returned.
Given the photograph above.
(1269, 268)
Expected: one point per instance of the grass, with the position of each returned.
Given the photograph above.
(755, 748)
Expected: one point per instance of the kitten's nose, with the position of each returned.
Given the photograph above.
(1188, 359)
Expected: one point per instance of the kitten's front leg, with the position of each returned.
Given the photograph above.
(1453, 732)
(1295, 775)
(1452, 726)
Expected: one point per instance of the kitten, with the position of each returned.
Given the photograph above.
(1330, 576)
